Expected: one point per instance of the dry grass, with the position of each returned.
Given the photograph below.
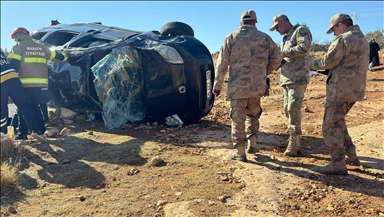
(7, 146)
(10, 157)
(8, 175)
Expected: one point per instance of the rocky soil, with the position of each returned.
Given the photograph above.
(151, 170)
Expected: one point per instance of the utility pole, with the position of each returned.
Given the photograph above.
(355, 16)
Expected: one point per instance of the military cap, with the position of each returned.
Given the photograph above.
(248, 15)
(277, 19)
(337, 19)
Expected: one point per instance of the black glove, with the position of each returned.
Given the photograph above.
(216, 92)
(268, 86)
(326, 72)
(283, 61)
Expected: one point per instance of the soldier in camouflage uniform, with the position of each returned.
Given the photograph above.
(346, 64)
(248, 54)
(294, 76)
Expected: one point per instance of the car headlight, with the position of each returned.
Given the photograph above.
(170, 54)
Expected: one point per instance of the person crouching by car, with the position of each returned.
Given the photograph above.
(29, 58)
(11, 87)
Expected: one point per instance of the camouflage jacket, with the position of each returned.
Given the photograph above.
(247, 54)
(347, 60)
(295, 46)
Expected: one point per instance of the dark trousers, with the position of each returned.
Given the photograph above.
(47, 96)
(34, 95)
(14, 89)
(44, 112)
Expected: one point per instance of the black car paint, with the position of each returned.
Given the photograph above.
(73, 84)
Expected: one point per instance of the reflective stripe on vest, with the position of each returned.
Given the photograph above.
(65, 58)
(34, 80)
(35, 60)
(53, 55)
(14, 56)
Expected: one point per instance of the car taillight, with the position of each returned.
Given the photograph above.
(209, 85)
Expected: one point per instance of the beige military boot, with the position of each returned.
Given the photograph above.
(239, 153)
(252, 145)
(352, 158)
(334, 168)
(293, 148)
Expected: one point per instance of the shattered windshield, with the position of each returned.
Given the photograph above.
(119, 85)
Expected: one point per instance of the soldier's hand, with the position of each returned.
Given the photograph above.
(307, 60)
(268, 81)
(266, 93)
(216, 92)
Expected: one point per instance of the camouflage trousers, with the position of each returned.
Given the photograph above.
(335, 132)
(245, 114)
(293, 101)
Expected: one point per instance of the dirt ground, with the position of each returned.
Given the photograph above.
(94, 171)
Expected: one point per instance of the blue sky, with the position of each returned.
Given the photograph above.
(211, 20)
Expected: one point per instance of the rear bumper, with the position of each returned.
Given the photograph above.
(180, 88)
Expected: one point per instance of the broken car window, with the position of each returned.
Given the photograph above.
(119, 85)
(60, 38)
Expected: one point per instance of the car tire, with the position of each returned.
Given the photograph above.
(194, 117)
(191, 119)
(177, 28)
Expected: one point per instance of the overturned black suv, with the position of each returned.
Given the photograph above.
(128, 75)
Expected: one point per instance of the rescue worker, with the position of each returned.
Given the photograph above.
(346, 63)
(29, 58)
(248, 55)
(12, 87)
(294, 77)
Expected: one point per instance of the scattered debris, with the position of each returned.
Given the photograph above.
(51, 132)
(133, 171)
(65, 131)
(12, 210)
(65, 161)
(157, 160)
(67, 114)
(82, 198)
